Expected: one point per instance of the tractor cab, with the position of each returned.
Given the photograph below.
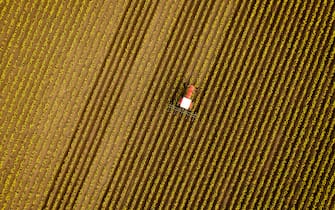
(184, 104)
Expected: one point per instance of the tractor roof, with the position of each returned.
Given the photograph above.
(185, 103)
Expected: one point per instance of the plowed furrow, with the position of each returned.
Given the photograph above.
(109, 102)
(154, 146)
(97, 125)
(101, 75)
(167, 63)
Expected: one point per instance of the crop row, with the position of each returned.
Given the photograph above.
(220, 89)
(285, 106)
(262, 101)
(275, 92)
(251, 84)
(304, 136)
(302, 65)
(170, 57)
(11, 148)
(116, 127)
(179, 122)
(294, 117)
(281, 82)
(135, 48)
(33, 143)
(177, 141)
(44, 108)
(71, 82)
(77, 145)
(163, 121)
(264, 128)
(225, 104)
(183, 144)
(107, 103)
(155, 97)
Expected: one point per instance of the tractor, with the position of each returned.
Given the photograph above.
(184, 104)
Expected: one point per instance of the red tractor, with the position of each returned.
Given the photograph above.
(186, 101)
(184, 104)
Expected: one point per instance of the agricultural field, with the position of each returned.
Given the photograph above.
(85, 88)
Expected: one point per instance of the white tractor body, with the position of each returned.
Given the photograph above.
(185, 103)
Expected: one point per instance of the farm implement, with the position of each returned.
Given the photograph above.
(184, 104)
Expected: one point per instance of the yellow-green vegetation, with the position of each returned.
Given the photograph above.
(85, 86)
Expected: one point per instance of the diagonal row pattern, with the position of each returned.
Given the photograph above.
(85, 86)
